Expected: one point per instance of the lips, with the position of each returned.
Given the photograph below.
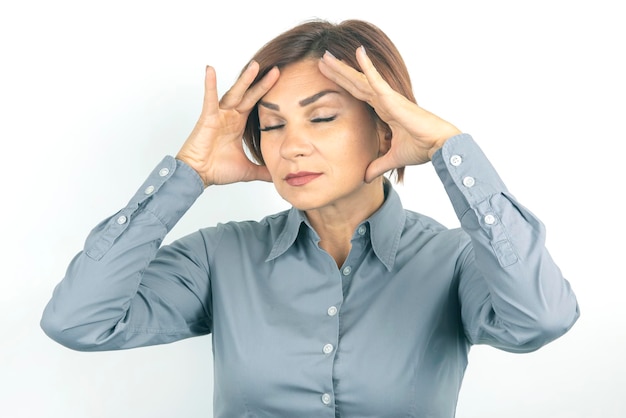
(301, 178)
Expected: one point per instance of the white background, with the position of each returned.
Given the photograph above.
(93, 94)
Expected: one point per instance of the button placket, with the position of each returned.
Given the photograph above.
(330, 333)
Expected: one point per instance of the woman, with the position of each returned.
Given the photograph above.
(347, 304)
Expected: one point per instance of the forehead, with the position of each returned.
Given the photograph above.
(297, 81)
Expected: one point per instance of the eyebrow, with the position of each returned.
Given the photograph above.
(303, 102)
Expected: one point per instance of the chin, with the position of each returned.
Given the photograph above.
(303, 204)
(302, 199)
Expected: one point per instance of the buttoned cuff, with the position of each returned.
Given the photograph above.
(168, 192)
(480, 198)
(467, 175)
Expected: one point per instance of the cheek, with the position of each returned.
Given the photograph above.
(367, 147)
(367, 134)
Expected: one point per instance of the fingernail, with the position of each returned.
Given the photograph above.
(327, 53)
(363, 49)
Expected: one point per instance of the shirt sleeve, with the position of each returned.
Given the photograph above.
(513, 296)
(123, 289)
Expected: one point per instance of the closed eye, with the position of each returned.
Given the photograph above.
(270, 128)
(328, 119)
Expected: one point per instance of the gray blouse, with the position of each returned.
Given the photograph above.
(385, 335)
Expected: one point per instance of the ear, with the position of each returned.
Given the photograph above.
(384, 137)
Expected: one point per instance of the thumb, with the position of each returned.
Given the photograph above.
(378, 167)
(260, 172)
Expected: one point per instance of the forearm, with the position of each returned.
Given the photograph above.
(89, 306)
(513, 295)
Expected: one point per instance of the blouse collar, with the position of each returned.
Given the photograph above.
(385, 225)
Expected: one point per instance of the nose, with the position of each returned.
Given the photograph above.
(295, 144)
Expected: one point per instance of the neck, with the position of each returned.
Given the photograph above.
(336, 224)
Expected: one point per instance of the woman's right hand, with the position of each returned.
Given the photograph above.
(214, 148)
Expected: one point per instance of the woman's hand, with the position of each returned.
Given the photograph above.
(214, 148)
(415, 133)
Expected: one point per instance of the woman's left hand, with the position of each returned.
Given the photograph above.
(415, 132)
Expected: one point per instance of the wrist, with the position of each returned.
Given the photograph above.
(438, 144)
(192, 164)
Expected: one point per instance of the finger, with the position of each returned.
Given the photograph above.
(210, 101)
(258, 90)
(233, 96)
(345, 76)
(374, 79)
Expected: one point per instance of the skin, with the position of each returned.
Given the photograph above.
(311, 125)
(347, 155)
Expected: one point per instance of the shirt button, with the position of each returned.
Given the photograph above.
(122, 220)
(326, 399)
(346, 270)
(328, 348)
(149, 190)
(490, 219)
(456, 160)
(362, 230)
(332, 311)
(164, 172)
(469, 181)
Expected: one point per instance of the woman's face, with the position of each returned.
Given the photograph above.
(317, 141)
